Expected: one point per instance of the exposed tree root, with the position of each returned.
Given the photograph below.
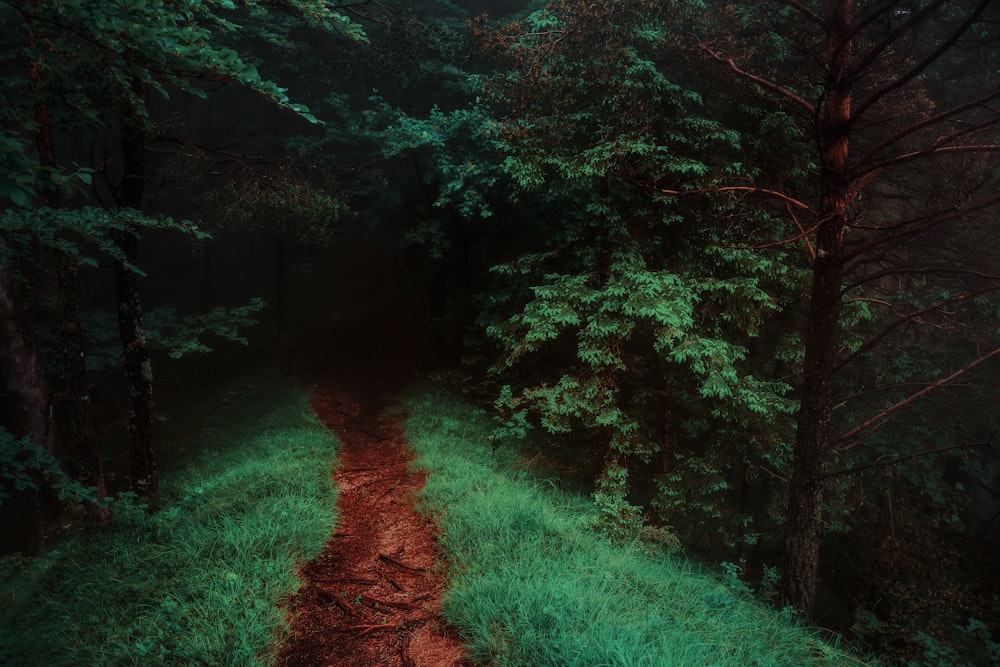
(371, 597)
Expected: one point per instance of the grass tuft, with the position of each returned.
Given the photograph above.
(200, 581)
(532, 582)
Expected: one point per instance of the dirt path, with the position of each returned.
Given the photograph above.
(371, 598)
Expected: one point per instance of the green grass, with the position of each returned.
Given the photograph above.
(198, 582)
(532, 582)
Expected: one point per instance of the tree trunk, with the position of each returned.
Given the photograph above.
(138, 369)
(811, 452)
(24, 410)
(25, 401)
(72, 401)
(281, 301)
(812, 438)
(669, 441)
(71, 405)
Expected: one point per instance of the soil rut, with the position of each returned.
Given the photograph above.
(372, 596)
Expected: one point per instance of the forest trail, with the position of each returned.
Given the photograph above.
(371, 598)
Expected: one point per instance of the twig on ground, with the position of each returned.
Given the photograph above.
(392, 560)
(349, 580)
(339, 601)
(366, 628)
(387, 603)
(404, 653)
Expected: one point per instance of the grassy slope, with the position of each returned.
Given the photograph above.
(533, 584)
(200, 581)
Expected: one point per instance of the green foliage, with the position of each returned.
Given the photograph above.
(533, 583)
(83, 234)
(976, 648)
(457, 146)
(303, 202)
(631, 311)
(80, 61)
(622, 520)
(169, 331)
(21, 180)
(374, 147)
(182, 334)
(23, 461)
(587, 94)
(118, 45)
(511, 424)
(641, 338)
(200, 580)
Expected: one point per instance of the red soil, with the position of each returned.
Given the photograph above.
(372, 597)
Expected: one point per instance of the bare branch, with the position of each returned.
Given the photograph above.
(915, 18)
(788, 200)
(885, 414)
(903, 319)
(903, 79)
(803, 234)
(895, 460)
(749, 189)
(910, 228)
(841, 401)
(760, 81)
(201, 151)
(860, 26)
(935, 150)
(810, 14)
(927, 122)
(919, 270)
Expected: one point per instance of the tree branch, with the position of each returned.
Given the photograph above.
(808, 13)
(903, 319)
(842, 400)
(881, 463)
(909, 228)
(749, 189)
(760, 81)
(915, 18)
(934, 150)
(803, 234)
(927, 122)
(908, 270)
(884, 414)
(247, 161)
(903, 79)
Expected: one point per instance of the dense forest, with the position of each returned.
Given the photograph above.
(728, 267)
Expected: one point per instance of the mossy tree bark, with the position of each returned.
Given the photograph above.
(138, 367)
(812, 439)
(71, 402)
(25, 406)
(281, 301)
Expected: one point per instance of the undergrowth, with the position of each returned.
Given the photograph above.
(533, 583)
(199, 581)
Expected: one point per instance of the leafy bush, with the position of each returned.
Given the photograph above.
(21, 461)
